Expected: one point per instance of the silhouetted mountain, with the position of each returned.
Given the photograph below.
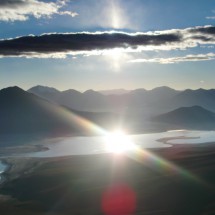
(48, 93)
(92, 100)
(43, 89)
(95, 101)
(88, 101)
(141, 102)
(23, 112)
(161, 93)
(194, 117)
(71, 98)
(138, 91)
(148, 98)
(114, 92)
(188, 98)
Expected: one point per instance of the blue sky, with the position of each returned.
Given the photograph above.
(148, 52)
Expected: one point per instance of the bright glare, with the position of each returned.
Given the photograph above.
(116, 56)
(115, 18)
(115, 15)
(118, 142)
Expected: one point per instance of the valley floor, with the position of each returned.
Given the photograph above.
(77, 184)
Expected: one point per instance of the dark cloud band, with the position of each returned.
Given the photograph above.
(11, 2)
(207, 30)
(72, 43)
(82, 42)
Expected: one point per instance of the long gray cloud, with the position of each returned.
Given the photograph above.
(60, 45)
(21, 10)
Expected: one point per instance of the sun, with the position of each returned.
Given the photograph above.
(118, 142)
(118, 58)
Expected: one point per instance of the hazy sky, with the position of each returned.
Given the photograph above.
(106, 44)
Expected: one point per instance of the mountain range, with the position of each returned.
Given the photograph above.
(56, 113)
(114, 92)
(147, 102)
(26, 113)
(159, 108)
(90, 100)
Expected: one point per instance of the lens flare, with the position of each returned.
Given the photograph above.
(118, 142)
(119, 199)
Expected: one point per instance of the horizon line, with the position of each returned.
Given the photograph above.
(129, 90)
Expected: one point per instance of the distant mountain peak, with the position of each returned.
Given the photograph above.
(43, 89)
(91, 92)
(197, 90)
(139, 90)
(186, 116)
(163, 88)
(192, 108)
(114, 92)
(12, 90)
(71, 91)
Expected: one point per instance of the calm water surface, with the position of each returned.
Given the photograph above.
(96, 145)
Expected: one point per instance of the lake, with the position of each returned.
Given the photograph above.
(96, 145)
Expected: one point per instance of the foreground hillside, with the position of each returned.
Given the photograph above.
(24, 113)
(92, 185)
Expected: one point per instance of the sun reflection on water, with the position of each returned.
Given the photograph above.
(118, 142)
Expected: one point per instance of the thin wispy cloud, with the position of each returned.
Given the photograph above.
(22, 10)
(172, 60)
(211, 17)
(57, 45)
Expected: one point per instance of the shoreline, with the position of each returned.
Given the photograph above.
(18, 166)
(6, 169)
(9, 160)
(19, 163)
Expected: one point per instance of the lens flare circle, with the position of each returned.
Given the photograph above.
(119, 199)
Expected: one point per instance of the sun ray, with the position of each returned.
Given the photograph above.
(120, 143)
(115, 15)
(125, 145)
(158, 163)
